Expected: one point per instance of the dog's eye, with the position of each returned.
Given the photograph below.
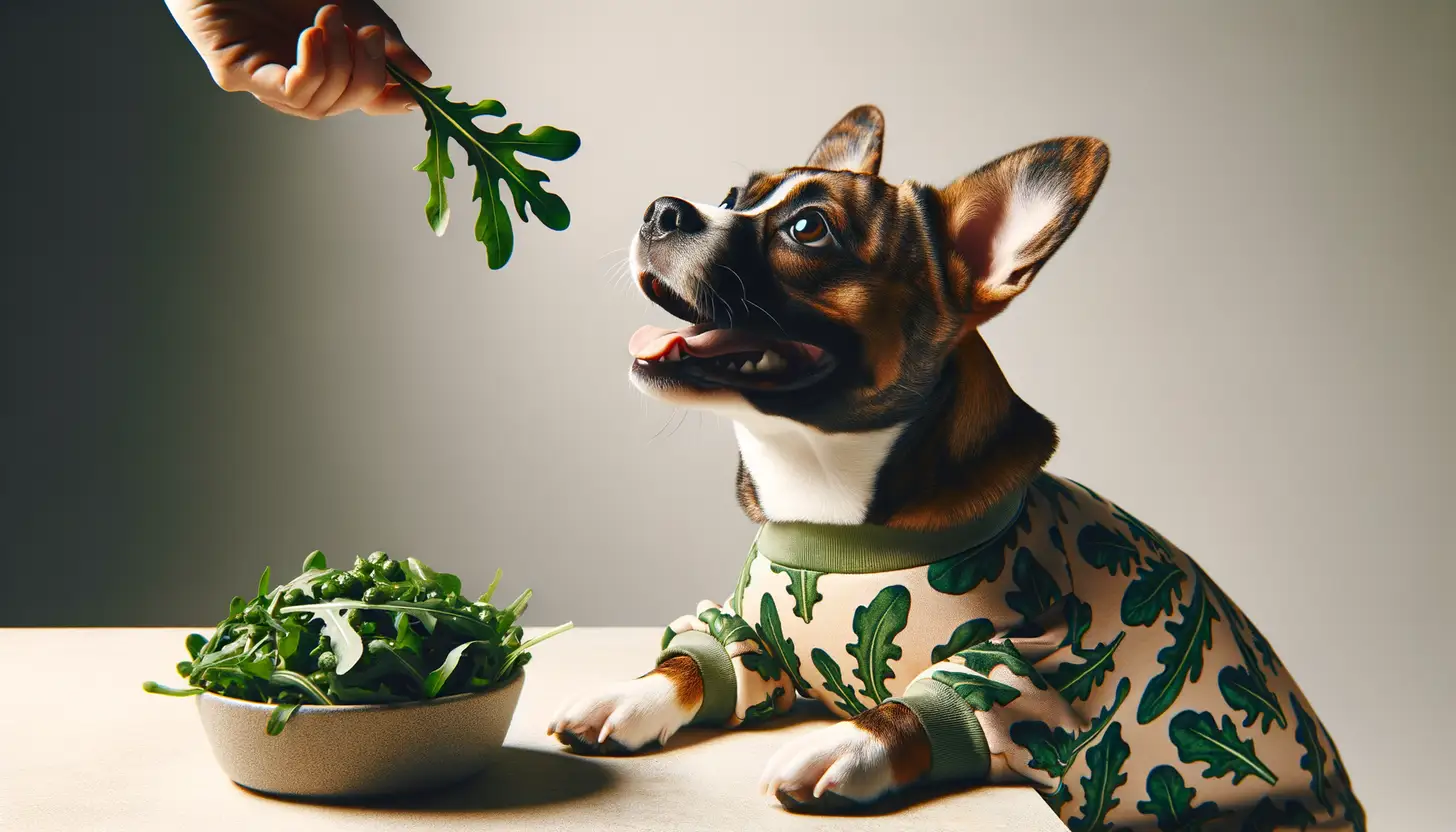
(809, 229)
(730, 200)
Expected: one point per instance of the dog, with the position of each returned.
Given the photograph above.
(971, 617)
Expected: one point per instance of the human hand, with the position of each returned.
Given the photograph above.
(301, 58)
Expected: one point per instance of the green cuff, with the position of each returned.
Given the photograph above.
(958, 748)
(720, 687)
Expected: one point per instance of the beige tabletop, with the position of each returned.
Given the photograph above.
(83, 748)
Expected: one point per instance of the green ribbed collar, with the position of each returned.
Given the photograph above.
(869, 548)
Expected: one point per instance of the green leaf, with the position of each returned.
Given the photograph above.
(1141, 533)
(153, 687)
(440, 675)
(959, 574)
(834, 682)
(1170, 800)
(1055, 492)
(978, 692)
(971, 632)
(1105, 761)
(726, 627)
(803, 586)
(344, 641)
(1199, 740)
(1059, 798)
(1107, 549)
(493, 155)
(1306, 733)
(1151, 594)
(1076, 680)
(1054, 534)
(1054, 750)
(1079, 620)
(263, 582)
(763, 710)
(195, 642)
(315, 560)
(1036, 591)
(984, 657)
(296, 680)
(1268, 817)
(1183, 659)
(743, 577)
(532, 642)
(876, 625)
(1354, 812)
(236, 606)
(771, 633)
(490, 590)
(1246, 692)
(517, 608)
(280, 717)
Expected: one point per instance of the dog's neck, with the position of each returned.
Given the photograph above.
(975, 443)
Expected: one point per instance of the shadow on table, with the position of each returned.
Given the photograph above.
(517, 778)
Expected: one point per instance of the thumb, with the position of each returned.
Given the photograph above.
(405, 58)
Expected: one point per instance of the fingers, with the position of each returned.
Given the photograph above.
(338, 54)
(367, 80)
(404, 57)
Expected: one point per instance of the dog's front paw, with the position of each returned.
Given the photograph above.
(831, 769)
(624, 718)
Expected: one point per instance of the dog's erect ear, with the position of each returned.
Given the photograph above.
(1007, 219)
(853, 144)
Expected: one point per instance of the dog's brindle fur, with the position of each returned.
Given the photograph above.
(897, 302)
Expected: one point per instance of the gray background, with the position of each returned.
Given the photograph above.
(229, 337)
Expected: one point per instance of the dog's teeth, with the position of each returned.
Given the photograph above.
(772, 362)
(748, 367)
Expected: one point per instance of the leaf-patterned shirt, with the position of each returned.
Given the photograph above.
(1055, 640)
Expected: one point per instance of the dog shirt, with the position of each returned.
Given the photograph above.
(1054, 640)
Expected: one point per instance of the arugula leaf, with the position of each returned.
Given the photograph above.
(980, 693)
(1151, 594)
(493, 155)
(728, 628)
(1245, 692)
(263, 582)
(743, 577)
(490, 590)
(1306, 733)
(771, 633)
(1059, 798)
(1075, 680)
(834, 682)
(959, 574)
(1079, 620)
(1198, 739)
(984, 657)
(1054, 750)
(315, 560)
(1053, 490)
(153, 687)
(1170, 800)
(280, 717)
(803, 586)
(1036, 591)
(1269, 817)
(1105, 761)
(1107, 549)
(967, 634)
(1183, 659)
(876, 625)
(195, 643)
(1354, 812)
(1141, 533)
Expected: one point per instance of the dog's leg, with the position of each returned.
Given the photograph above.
(859, 761)
(631, 715)
(712, 671)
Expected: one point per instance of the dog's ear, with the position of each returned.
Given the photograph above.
(853, 144)
(1007, 219)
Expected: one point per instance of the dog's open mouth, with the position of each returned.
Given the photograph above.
(707, 357)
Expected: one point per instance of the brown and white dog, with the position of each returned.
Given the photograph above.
(834, 318)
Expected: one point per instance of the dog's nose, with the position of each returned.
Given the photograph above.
(668, 214)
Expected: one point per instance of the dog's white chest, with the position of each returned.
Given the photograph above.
(804, 475)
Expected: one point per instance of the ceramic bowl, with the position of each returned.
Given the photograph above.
(340, 752)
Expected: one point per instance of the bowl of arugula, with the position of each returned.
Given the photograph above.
(380, 679)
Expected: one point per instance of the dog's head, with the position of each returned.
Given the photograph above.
(826, 295)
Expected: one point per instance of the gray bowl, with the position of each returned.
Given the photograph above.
(341, 752)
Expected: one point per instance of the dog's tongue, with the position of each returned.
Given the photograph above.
(652, 342)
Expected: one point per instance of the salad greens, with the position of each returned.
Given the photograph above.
(383, 631)
(493, 155)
